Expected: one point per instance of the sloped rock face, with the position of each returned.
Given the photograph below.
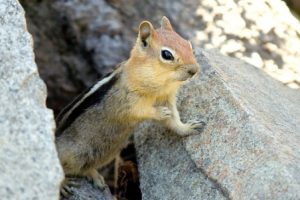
(249, 149)
(166, 170)
(29, 166)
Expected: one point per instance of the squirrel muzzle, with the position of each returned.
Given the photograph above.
(188, 71)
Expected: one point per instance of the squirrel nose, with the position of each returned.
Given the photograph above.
(192, 70)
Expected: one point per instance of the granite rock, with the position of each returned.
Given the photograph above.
(29, 166)
(249, 149)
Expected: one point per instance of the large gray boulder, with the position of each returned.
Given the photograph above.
(249, 149)
(29, 166)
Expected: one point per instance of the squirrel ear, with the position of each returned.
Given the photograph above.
(166, 24)
(145, 32)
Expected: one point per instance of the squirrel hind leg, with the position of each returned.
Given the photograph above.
(66, 186)
(97, 179)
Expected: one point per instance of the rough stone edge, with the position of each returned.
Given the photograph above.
(85, 189)
(44, 95)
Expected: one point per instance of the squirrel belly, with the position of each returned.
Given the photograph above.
(94, 128)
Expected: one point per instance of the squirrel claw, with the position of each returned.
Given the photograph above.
(66, 187)
(196, 126)
(192, 127)
(99, 184)
(66, 191)
(97, 180)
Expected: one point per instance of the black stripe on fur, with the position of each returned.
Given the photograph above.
(93, 99)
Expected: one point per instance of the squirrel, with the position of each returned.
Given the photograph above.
(93, 129)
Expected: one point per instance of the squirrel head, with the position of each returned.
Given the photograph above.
(161, 57)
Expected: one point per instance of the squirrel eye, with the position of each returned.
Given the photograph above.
(167, 55)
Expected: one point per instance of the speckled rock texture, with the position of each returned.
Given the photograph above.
(249, 149)
(29, 166)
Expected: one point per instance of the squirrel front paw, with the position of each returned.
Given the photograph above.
(163, 113)
(192, 127)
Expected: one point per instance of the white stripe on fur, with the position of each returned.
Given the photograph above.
(91, 91)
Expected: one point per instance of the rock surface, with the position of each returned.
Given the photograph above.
(78, 41)
(29, 167)
(249, 149)
(86, 191)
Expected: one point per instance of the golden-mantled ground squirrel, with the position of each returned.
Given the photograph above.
(93, 129)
